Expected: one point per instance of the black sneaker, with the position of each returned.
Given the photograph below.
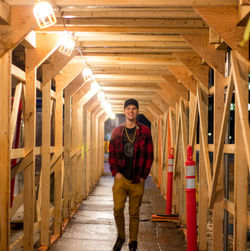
(133, 246)
(118, 244)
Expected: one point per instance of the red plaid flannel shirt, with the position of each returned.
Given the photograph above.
(143, 152)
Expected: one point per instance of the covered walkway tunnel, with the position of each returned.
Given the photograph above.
(187, 64)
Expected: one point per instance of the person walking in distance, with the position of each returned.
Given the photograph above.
(130, 159)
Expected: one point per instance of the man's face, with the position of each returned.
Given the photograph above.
(131, 112)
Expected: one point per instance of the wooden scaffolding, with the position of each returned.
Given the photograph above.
(178, 58)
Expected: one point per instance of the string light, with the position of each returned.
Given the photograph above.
(112, 116)
(95, 87)
(101, 96)
(44, 14)
(67, 44)
(87, 74)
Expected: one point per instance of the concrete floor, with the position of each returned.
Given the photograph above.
(92, 228)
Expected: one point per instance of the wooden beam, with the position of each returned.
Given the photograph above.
(194, 121)
(56, 63)
(166, 97)
(178, 86)
(218, 156)
(218, 210)
(241, 161)
(4, 13)
(81, 93)
(58, 166)
(160, 102)
(45, 171)
(17, 203)
(214, 37)
(30, 40)
(151, 50)
(130, 59)
(228, 29)
(193, 63)
(75, 84)
(124, 29)
(67, 159)
(183, 113)
(70, 73)
(29, 172)
(135, 44)
(214, 58)
(5, 104)
(25, 162)
(46, 45)
(169, 12)
(184, 76)
(243, 14)
(242, 102)
(204, 171)
(122, 37)
(122, 77)
(166, 86)
(138, 3)
(15, 107)
(202, 106)
(135, 22)
(22, 21)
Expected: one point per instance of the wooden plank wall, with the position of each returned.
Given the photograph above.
(211, 185)
(59, 161)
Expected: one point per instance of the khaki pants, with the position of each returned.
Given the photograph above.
(121, 189)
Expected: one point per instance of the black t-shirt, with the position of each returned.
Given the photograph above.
(128, 149)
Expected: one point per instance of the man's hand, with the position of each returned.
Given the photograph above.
(118, 175)
(142, 180)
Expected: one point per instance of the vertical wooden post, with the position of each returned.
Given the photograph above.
(159, 152)
(30, 134)
(95, 148)
(67, 161)
(58, 165)
(79, 180)
(73, 166)
(184, 139)
(218, 210)
(85, 143)
(5, 97)
(45, 172)
(83, 140)
(240, 168)
(203, 189)
(88, 140)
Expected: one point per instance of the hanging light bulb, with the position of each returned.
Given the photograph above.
(95, 87)
(67, 44)
(104, 103)
(112, 115)
(101, 96)
(108, 107)
(87, 74)
(44, 14)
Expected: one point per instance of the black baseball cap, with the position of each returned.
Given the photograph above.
(131, 102)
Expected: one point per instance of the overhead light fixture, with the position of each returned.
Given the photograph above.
(95, 87)
(101, 96)
(112, 115)
(44, 14)
(87, 74)
(103, 103)
(67, 44)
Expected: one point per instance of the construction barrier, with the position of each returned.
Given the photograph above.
(191, 201)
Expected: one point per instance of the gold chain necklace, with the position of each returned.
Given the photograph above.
(132, 141)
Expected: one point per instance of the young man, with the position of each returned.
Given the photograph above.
(130, 159)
